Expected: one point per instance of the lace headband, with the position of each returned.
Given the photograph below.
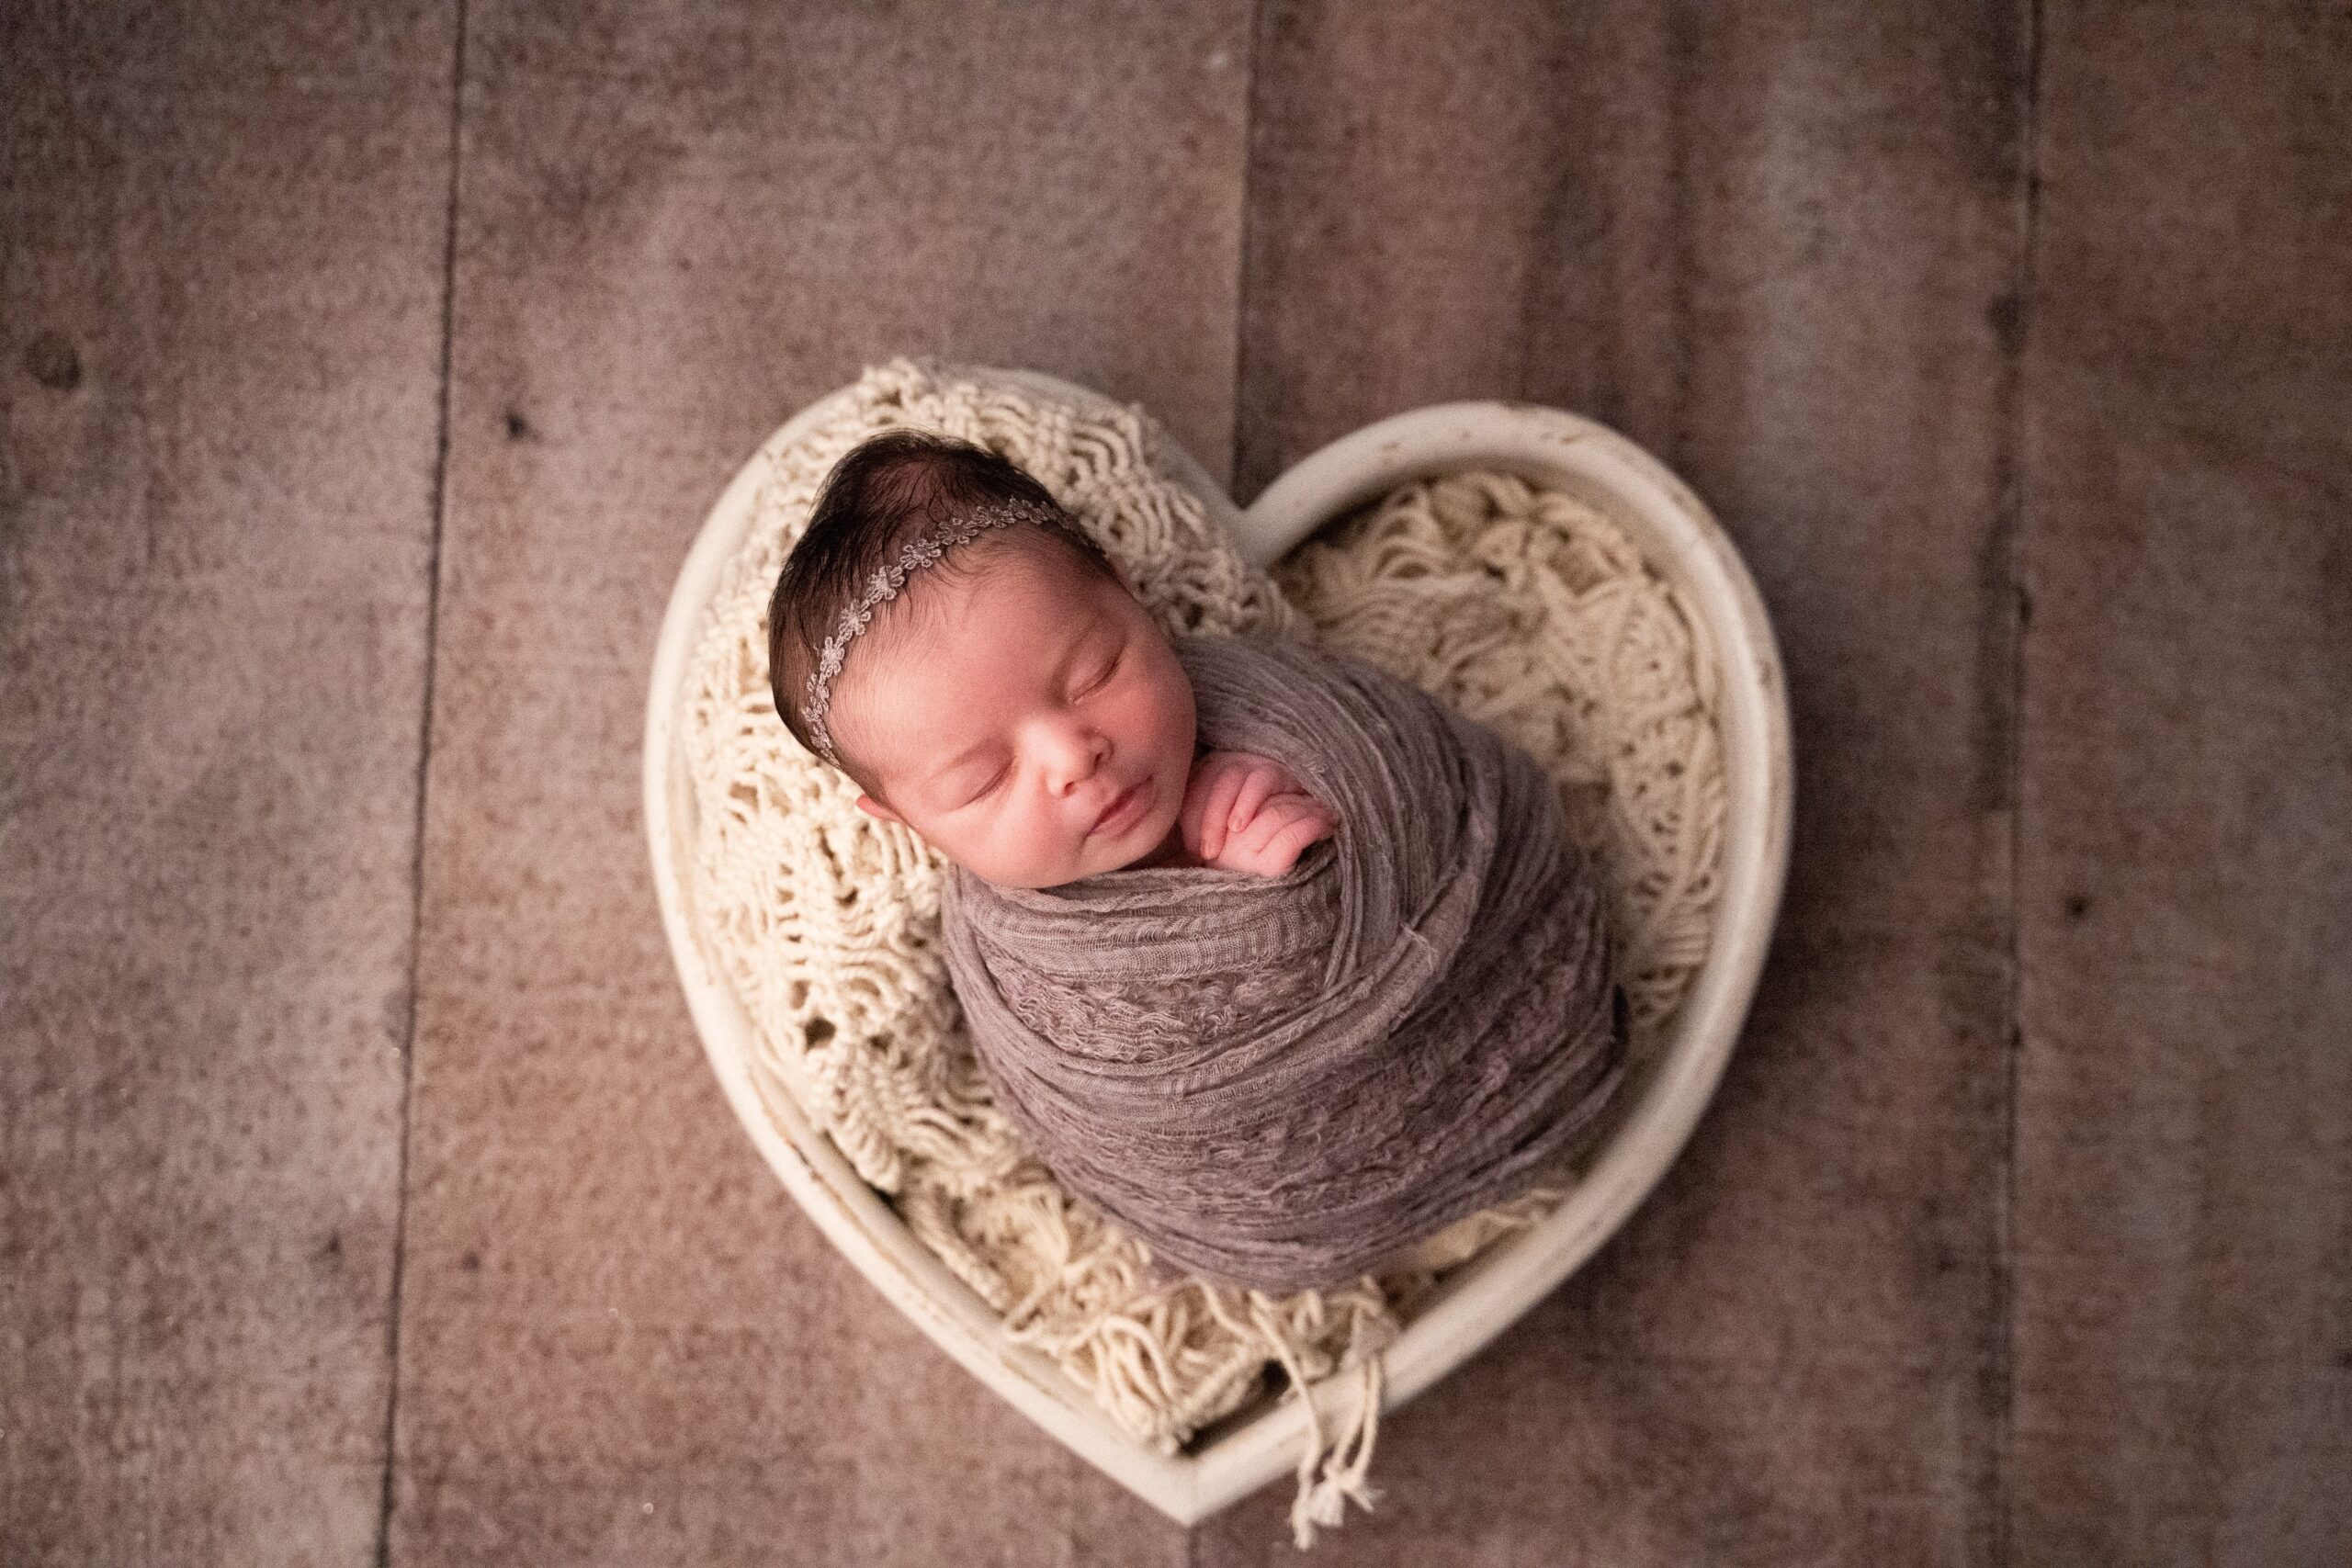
(885, 583)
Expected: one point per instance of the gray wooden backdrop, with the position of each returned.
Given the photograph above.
(365, 369)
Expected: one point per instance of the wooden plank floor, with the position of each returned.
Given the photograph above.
(221, 353)
(2183, 1266)
(364, 1197)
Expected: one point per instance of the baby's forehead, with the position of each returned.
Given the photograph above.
(1015, 610)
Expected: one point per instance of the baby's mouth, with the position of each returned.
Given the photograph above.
(1122, 807)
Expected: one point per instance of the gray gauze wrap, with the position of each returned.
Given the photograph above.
(1276, 1081)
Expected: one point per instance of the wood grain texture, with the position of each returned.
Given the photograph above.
(1776, 244)
(621, 1341)
(2184, 1225)
(2040, 309)
(219, 344)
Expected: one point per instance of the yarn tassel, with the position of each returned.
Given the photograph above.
(1322, 1500)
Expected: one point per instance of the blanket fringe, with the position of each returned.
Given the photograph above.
(1322, 1500)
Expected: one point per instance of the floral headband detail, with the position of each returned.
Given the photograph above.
(885, 583)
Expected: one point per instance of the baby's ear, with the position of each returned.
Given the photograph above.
(874, 808)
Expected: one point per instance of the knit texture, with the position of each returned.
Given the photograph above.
(1525, 609)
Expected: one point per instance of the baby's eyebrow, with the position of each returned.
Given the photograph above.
(1061, 666)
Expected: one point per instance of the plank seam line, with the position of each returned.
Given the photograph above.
(439, 507)
(1258, 23)
(2005, 1345)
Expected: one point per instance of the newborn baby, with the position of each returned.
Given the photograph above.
(1350, 982)
(1058, 740)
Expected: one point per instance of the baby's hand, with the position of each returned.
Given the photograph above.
(1246, 813)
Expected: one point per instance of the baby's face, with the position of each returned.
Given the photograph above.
(1023, 704)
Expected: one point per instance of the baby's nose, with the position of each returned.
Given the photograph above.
(1079, 756)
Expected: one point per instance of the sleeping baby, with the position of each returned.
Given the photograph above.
(1058, 741)
(1273, 956)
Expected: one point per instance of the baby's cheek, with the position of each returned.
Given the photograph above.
(1179, 714)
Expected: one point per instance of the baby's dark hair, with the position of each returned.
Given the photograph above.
(885, 490)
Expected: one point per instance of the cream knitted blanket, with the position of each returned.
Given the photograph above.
(1525, 610)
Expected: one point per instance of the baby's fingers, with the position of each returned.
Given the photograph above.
(1216, 811)
(1284, 852)
(1259, 781)
(1274, 838)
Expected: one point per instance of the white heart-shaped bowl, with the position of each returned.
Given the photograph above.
(1675, 531)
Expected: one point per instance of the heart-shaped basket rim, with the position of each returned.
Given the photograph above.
(1681, 539)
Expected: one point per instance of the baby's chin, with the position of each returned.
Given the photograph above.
(1148, 843)
(1038, 879)
(1136, 849)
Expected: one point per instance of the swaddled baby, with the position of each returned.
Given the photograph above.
(1269, 955)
